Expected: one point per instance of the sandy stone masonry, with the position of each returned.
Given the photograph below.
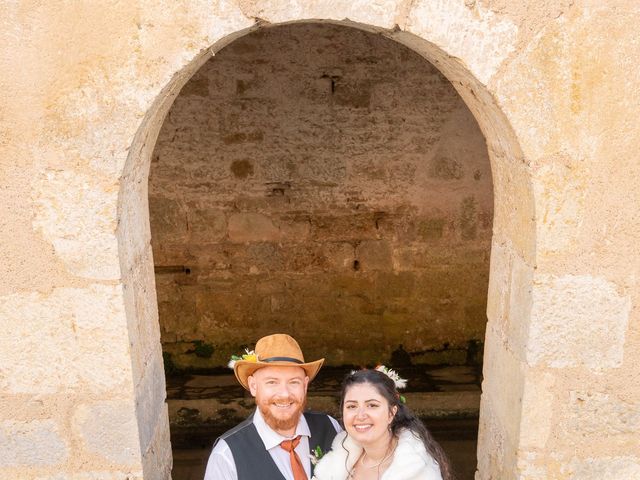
(555, 88)
(340, 181)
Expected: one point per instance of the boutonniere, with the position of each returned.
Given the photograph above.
(249, 356)
(316, 454)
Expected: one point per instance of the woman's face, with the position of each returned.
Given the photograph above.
(366, 414)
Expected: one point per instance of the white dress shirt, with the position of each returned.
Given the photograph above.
(221, 465)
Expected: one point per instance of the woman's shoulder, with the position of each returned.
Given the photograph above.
(332, 464)
(411, 459)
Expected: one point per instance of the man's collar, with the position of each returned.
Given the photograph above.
(271, 438)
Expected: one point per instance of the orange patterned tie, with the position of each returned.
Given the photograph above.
(296, 464)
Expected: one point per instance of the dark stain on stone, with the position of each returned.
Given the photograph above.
(242, 48)
(477, 175)
(486, 220)
(356, 96)
(241, 168)
(431, 229)
(468, 218)
(188, 416)
(241, 86)
(197, 86)
(446, 168)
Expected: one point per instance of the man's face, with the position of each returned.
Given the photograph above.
(280, 394)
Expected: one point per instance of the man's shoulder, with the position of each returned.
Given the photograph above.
(238, 429)
(312, 413)
(320, 417)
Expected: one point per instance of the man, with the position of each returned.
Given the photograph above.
(277, 440)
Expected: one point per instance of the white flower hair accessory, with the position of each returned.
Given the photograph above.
(393, 375)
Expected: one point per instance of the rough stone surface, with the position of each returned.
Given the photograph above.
(82, 238)
(343, 170)
(150, 406)
(94, 475)
(485, 39)
(554, 86)
(17, 441)
(576, 321)
(109, 429)
(157, 460)
(596, 413)
(65, 355)
(600, 468)
(537, 401)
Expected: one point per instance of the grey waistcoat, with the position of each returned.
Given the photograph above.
(253, 461)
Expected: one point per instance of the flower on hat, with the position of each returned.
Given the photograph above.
(393, 375)
(249, 356)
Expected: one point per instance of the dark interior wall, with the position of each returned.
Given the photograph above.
(326, 182)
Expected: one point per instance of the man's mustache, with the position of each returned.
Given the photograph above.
(285, 400)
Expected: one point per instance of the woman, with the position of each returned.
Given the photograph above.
(383, 439)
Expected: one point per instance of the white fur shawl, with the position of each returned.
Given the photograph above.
(410, 460)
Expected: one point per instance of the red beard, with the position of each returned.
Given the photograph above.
(277, 423)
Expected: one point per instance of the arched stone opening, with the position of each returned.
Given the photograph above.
(513, 241)
(80, 374)
(330, 183)
(314, 177)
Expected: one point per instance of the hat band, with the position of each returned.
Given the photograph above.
(281, 359)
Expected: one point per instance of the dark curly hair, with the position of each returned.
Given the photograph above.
(404, 417)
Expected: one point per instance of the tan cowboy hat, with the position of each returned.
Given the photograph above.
(278, 349)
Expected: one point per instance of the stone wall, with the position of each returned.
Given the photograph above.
(326, 182)
(555, 88)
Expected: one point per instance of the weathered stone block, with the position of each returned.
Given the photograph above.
(58, 347)
(109, 429)
(339, 255)
(577, 321)
(488, 39)
(295, 231)
(205, 224)
(156, 460)
(446, 168)
(343, 227)
(503, 385)
(197, 86)
(531, 467)
(114, 474)
(597, 413)
(150, 394)
(538, 407)
(261, 257)
(382, 14)
(431, 228)
(374, 255)
(603, 468)
(468, 218)
(34, 443)
(83, 238)
(140, 299)
(252, 227)
(389, 285)
(169, 220)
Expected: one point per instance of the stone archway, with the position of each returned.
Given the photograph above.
(513, 241)
(552, 86)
